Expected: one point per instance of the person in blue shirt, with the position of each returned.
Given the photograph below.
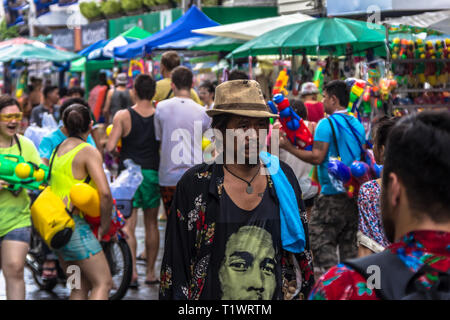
(334, 217)
(53, 139)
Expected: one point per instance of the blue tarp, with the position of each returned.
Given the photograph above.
(179, 30)
(183, 43)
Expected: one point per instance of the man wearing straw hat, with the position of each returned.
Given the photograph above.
(228, 236)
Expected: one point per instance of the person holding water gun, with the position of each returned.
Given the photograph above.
(334, 214)
(74, 161)
(15, 221)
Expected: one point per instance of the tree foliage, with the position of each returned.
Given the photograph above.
(8, 33)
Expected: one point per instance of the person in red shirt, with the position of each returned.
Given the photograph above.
(416, 218)
(309, 93)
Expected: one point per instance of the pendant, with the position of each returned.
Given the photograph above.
(249, 189)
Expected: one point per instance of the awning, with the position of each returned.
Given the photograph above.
(248, 30)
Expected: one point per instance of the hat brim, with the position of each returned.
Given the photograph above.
(244, 113)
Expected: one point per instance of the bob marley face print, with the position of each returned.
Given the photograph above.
(248, 269)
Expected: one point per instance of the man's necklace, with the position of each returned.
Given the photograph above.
(249, 188)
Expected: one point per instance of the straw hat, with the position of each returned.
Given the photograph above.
(242, 98)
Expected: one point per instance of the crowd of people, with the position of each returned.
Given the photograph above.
(274, 228)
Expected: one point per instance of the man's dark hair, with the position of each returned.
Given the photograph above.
(182, 78)
(237, 75)
(418, 153)
(170, 60)
(75, 90)
(339, 89)
(145, 87)
(48, 90)
(6, 100)
(299, 107)
(72, 101)
(220, 122)
(383, 128)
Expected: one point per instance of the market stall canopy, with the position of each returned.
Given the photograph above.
(104, 49)
(82, 65)
(179, 30)
(248, 30)
(439, 21)
(325, 34)
(26, 49)
(218, 44)
(183, 43)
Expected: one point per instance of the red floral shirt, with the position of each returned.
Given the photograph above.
(415, 249)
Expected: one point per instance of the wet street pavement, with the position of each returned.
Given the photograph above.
(145, 292)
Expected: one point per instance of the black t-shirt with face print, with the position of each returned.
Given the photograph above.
(246, 259)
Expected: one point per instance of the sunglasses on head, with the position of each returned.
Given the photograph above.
(7, 117)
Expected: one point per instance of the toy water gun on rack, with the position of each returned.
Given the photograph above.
(292, 124)
(18, 173)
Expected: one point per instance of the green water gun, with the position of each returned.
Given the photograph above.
(18, 173)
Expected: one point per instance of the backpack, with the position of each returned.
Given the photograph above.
(398, 282)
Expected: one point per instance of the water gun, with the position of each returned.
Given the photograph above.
(296, 130)
(419, 53)
(403, 49)
(340, 173)
(86, 199)
(281, 83)
(355, 93)
(395, 48)
(440, 66)
(430, 70)
(318, 78)
(361, 171)
(19, 173)
(386, 86)
(366, 106)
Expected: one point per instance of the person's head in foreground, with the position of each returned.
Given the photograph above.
(239, 114)
(10, 117)
(416, 192)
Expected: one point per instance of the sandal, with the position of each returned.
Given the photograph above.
(141, 257)
(151, 282)
(134, 285)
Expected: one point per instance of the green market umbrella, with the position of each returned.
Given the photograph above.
(218, 44)
(26, 49)
(327, 34)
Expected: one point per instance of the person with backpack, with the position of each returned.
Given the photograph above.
(15, 221)
(334, 216)
(416, 217)
(75, 161)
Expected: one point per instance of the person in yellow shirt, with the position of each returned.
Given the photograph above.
(15, 221)
(169, 61)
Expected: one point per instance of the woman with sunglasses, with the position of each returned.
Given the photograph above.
(15, 221)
